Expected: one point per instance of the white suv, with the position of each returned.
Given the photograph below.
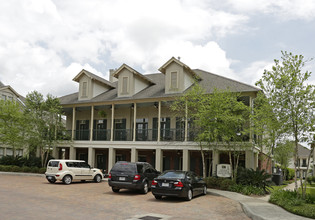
(69, 170)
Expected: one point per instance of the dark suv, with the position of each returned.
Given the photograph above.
(132, 175)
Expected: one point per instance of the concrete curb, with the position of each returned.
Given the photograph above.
(22, 174)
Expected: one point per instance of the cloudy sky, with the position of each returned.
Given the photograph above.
(45, 43)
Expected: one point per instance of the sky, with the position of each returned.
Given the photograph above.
(44, 44)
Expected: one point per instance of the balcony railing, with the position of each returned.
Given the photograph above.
(101, 135)
(82, 135)
(141, 135)
(123, 134)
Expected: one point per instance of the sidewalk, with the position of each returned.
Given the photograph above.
(259, 208)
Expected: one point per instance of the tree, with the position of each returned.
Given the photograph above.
(45, 124)
(219, 118)
(12, 124)
(283, 153)
(292, 100)
(265, 126)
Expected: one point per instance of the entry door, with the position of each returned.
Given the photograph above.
(101, 161)
(120, 130)
(142, 131)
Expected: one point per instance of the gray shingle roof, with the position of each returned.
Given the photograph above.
(209, 81)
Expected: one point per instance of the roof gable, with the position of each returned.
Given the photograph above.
(93, 77)
(162, 69)
(133, 71)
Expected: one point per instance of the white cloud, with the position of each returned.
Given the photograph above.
(44, 43)
(283, 9)
(255, 70)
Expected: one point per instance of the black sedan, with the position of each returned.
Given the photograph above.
(185, 184)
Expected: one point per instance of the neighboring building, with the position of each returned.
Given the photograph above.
(302, 161)
(8, 93)
(128, 118)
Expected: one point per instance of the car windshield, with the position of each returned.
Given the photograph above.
(124, 167)
(172, 174)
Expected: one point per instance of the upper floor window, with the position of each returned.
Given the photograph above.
(174, 80)
(124, 89)
(4, 97)
(84, 89)
(10, 98)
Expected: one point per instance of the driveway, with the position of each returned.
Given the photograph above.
(29, 197)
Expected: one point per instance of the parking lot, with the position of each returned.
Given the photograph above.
(32, 197)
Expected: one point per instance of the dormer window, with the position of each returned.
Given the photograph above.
(125, 89)
(84, 89)
(174, 80)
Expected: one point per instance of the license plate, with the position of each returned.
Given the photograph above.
(165, 184)
(122, 178)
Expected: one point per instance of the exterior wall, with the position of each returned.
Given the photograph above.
(265, 163)
(85, 79)
(188, 81)
(97, 89)
(7, 94)
(174, 67)
(139, 84)
(130, 89)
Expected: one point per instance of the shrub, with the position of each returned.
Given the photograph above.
(290, 173)
(247, 190)
(26, 169)
(34, 170)
(15, 168)
(291, 201)
(42, 170)
(226, 184)
(219, 183)
(254, 178)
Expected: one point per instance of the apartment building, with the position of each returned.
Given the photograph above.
(128, 118)
(8, 93)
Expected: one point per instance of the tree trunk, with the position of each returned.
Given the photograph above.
(203, 161)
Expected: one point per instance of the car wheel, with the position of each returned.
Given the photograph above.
(97, 178)
(189, 195)
(145, 189)
(67, 179)
(204, 191)
(158, 197)
(116, 190)
(52, 181)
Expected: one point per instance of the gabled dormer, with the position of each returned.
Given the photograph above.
(91, 85)
(130, 81)
(178, 76)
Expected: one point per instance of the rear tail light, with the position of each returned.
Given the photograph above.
(154, 183)
(109, 176)
(178, 184)
(137, 177)
(60, 166)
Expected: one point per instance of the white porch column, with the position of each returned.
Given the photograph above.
(134, 120)
(55, 152)
(215, 162)
(134, 155)
(73, 124)
(112, 124)
(255, 161)
(186, 160)
(72, 153)
(91, 158)
(37, 152)
(111, 158)
(158, 159)
(92, 123)
(186, 122)
(159, 122)
(249, 159)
